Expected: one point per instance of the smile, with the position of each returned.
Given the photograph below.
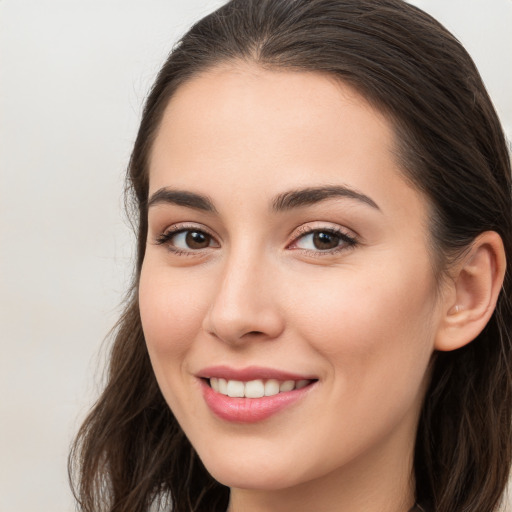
(253, 394)
(255, 388)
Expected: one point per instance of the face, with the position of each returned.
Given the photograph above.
(287, 266)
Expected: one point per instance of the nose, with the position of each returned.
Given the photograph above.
(245, 305)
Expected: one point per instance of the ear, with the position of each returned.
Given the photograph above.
(473, 292)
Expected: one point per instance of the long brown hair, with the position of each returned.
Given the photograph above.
(130, 452)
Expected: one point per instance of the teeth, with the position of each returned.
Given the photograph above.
(223, 386)
(254, 388)
(271, 387)
(287, 385)
(236, 389)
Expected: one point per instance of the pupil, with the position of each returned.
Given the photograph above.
(325, 241)
(196, 240)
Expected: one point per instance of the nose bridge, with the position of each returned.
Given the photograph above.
(245, 299)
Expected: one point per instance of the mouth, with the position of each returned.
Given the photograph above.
(257, 388)
(253, 394)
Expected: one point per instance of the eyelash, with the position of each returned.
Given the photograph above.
(346, 241)
(166, 237)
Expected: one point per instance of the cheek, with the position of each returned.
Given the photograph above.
(371, 323)
(374, 332)
(172, 310)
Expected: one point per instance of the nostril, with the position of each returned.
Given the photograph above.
(241, 322)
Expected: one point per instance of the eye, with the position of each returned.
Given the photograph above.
(191, 240)
(324, 240)
(186, 240)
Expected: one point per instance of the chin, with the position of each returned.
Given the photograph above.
(253, 480)
(240, 473)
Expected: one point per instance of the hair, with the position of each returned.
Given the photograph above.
(130, 452)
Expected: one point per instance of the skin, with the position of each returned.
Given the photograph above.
(362, 318)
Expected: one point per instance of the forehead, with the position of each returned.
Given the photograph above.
(247, 85)
(242, 108)
(240, 130)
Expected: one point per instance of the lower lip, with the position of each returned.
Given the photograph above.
(250, 410)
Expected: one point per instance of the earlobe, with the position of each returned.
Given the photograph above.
(477, 281)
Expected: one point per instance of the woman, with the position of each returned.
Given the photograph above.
(321, 311)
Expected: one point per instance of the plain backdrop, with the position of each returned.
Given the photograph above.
(73, 77)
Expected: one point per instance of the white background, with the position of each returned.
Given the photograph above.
(73, 77)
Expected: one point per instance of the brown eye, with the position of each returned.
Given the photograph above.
(187, 240)
(323, 240)
(197, 239)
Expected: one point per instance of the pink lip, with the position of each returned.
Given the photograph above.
(249, 410)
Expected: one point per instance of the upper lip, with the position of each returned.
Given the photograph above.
(250, 373)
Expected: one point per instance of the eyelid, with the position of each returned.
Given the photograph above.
(166, 235)
(349, 239)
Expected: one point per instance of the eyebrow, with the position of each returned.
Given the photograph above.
(182, 198)
(283, 202)
(312, 195)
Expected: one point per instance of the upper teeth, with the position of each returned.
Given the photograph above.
(254, 388)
